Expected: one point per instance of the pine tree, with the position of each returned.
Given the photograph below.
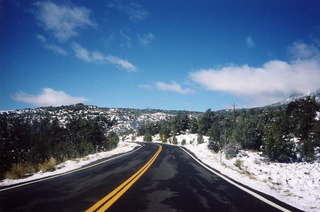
(174, 140)
(147, 138)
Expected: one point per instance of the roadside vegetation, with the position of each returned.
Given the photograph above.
(28, 146)
(32, 142)
(284, 133)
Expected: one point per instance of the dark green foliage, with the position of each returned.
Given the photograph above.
(193, 125)
(301, 121)
(150, 128)
(147, 138)
(315, 133)
(164, 132)
(32, 142)
(214, 134)
(271, 129)
(277, 146)
(205, 122)
(112, 141)
(175, 125)
(179, 123)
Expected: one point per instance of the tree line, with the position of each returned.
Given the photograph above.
(28, 145)
(284, 133)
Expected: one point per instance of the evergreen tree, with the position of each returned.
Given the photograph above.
(174, 140)
(278, 145)
(112, 140)
(147, 138)
(205, 122)
(193, 125)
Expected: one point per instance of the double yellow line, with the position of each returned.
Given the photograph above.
(113, 196)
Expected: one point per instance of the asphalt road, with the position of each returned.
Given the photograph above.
(175, 182)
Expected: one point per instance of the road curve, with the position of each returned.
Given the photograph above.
(174, 182)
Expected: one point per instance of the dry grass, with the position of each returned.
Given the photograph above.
(251, 150)
(48, 165)
(19, 170)
(239, 164)
(250, 175)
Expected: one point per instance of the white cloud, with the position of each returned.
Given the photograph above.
(134, 11)
(121, 63)
(174, 87)
(273, 81)
(300, 50)
(146, 39)
(48, 97)
(249, 42)
(63, 21)
(95, 56)
(52, 47)
(81, 53)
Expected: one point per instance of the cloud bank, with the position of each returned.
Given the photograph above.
(48, 97)
(301, 50)
(63, 21)
(95, 56)
(272, 82)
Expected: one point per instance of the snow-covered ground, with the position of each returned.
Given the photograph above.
(297, 184)
(317, 118)
(74, 164)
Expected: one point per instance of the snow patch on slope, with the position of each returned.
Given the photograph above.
(317, 118)
(297, 184)
(190, 138)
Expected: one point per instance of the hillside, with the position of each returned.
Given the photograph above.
(118, 120)
(33, 140)
(36, 139)
(284, 132)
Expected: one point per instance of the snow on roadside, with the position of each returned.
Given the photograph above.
(317, 118)
(297, 184)
(70, 165)
(190, 138)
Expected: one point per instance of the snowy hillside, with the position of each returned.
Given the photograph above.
(295, 97)
(113, 119)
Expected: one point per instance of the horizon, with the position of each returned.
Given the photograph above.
(169, 56)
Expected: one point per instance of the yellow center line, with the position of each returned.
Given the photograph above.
(114, 195)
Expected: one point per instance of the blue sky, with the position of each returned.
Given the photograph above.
(190, 55)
